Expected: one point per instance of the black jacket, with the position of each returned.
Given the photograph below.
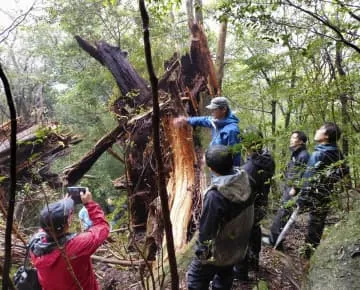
(260, 167)
(228, 209)
(294, 171)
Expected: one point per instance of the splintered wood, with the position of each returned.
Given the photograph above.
(182, 180)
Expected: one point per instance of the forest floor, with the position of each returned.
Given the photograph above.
(284, 269)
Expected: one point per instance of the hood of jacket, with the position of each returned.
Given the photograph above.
(325, 154)
(264, 161)
(326, 148)
(229, 119)
(234, 187)
(41, 244)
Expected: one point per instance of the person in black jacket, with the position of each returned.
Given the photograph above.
(225, 224)
(260, 167)
(325, 167)
(293, 174)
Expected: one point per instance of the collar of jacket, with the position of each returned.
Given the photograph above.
(297, 150)
(326, 147)
(229, 119)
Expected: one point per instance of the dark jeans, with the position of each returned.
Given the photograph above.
(199, 276)
(316, 224)
(252, 257)
(280, 220)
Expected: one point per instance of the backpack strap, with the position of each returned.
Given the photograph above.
(27, 253)
(52, 243)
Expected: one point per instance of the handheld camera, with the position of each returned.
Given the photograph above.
(74, 192)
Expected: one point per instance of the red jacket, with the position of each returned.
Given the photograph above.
(53, 270)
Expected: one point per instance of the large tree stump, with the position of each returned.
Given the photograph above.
(180, 89)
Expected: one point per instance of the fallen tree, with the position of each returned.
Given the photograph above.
(187, 83)
(38, 145)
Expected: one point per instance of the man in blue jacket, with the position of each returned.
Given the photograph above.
(223, 124)
(324, 169)
(225, 224)
(293, 174)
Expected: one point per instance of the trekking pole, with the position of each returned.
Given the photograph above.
(291, 220)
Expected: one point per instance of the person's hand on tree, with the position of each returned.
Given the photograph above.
(180, 121)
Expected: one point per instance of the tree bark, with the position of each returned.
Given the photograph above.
(220, 53)
(6, 282)
(273, 117)
(343, 97)
(199, 12)
(201, 58)
(190, 12)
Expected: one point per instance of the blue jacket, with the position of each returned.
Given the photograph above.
(317, 182)
(224, 132)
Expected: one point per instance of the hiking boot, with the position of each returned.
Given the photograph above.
(254, 264)
(240, 274)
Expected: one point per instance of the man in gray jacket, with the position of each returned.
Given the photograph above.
(225, 224)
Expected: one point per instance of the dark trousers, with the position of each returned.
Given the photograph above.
(280, 220)
(316, 224)
(199, 276)
(252, 257)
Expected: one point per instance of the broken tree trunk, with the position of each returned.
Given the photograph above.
(37, 147)
(73, 173)
(181, 88)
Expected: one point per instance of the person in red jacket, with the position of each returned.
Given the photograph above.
(62, 259)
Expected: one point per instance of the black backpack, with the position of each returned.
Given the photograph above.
(26, 277)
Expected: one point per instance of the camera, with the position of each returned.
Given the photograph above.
(74, 192)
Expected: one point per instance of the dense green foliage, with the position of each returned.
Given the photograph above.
(287, 66)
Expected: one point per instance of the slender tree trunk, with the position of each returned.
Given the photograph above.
(343, 97)
(273, 117)
(6, 282)
(292, 87)
(220, 53)
(198, 12)
(161, 183)
(190, 12)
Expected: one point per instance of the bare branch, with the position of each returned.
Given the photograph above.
(326, 23)
(16, 22)
(352, 14)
